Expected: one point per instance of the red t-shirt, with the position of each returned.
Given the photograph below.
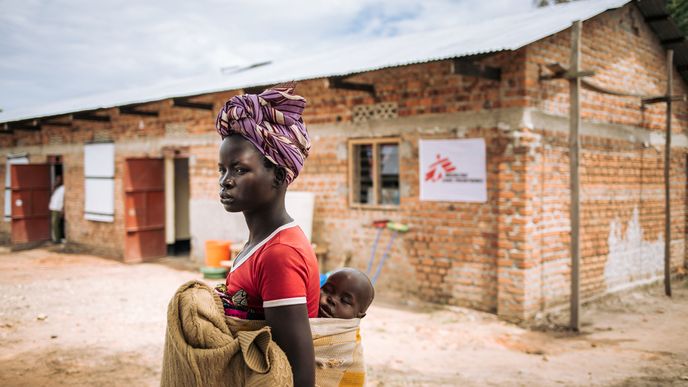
(280, 270)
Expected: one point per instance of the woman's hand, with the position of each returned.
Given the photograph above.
(292, 332)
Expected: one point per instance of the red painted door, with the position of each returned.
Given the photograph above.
(30, 187)
(144, 208)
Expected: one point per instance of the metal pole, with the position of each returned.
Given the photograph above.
(574, 147)
(667, 177)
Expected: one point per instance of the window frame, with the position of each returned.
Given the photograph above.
(11, 159)
(109, 176)
(377, 179)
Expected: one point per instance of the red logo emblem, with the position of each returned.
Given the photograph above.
(439, 169)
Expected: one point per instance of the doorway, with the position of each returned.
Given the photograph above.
(178, 233)
(55, 163)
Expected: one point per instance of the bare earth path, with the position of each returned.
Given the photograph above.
(79, 320)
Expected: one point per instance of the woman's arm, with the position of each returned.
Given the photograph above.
(292, 332)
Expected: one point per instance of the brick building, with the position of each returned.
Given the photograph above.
(369, 105)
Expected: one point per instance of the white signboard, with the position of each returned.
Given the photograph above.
(453, 170)
(99, 186)
(300, 207)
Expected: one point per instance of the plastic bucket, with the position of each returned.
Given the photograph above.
(215, 252)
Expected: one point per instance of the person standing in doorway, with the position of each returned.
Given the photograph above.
(57, 211)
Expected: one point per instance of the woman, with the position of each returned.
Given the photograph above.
(275, 277)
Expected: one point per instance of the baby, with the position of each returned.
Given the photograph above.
(347, 293)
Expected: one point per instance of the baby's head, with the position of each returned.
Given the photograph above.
(346, 294)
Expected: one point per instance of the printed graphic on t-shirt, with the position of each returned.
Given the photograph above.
(236, 305)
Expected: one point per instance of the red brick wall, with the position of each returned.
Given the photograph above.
(622, 219)
(449, 254)
(134, 136)
(510, 254)
(625, 55)
(619, 177)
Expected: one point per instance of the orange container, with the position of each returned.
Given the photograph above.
(215, 252)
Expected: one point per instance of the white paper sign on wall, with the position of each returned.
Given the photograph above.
(453, 170)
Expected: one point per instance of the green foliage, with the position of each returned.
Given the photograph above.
(677, 8)
(679, 12)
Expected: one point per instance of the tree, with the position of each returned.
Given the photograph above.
(678, 9)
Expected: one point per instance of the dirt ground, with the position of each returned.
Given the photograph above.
(79, 320)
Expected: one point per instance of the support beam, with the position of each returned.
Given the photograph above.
(255, 89)
(31, 125)
(667, 176)
(187, 103)
(663, 98)
(574, 149)
(6, 129)
(52, 122)
(574, 75)
(90, 116)
(342, 83)
(559, 72)
(472, 69)
(673, 41)
(135, 111)
(656, 18)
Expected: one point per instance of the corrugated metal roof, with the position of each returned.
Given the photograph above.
(504, 33)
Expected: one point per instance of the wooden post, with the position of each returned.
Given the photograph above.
(668, 98)
(667, 177)
(574, 147)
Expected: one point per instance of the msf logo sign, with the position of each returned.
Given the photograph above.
(439, 169)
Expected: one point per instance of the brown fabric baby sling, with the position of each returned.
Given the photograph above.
(203, 347)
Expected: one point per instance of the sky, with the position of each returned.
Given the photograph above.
(52, 50)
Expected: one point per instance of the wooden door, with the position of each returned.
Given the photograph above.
(144, 208)
(30, 195)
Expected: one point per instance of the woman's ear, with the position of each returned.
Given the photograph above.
(280, 177)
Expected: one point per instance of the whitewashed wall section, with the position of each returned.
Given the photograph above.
(632, 260)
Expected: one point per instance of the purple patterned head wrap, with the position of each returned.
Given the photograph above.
(272, 122)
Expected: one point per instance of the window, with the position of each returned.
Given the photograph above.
(17, 159)
(99, 186)
(374, 172)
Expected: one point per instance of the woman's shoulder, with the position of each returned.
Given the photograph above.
(289, 241)
(293, 237)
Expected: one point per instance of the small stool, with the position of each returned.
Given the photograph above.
(214, 272)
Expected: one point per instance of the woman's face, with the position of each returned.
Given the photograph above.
(245, 183)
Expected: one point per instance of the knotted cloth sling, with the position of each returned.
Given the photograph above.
(203, 347)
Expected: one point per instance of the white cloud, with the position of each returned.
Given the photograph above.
(58, 49)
